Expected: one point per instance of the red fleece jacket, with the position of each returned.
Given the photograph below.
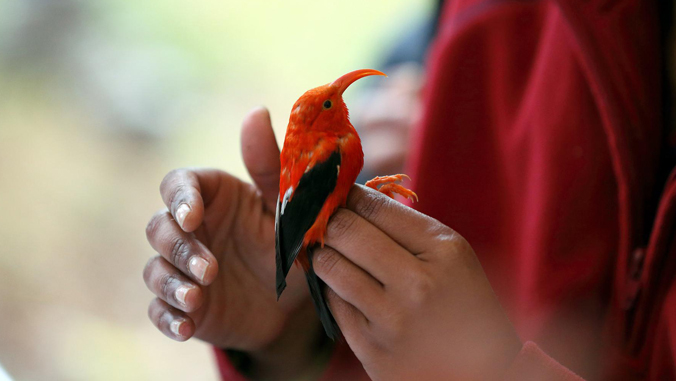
(539, 144)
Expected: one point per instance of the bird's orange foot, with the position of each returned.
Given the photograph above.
(388, 186)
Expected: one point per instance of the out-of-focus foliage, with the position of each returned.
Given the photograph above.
(98, 100)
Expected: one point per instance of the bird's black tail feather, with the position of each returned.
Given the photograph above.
(316, 291)
(280, 277)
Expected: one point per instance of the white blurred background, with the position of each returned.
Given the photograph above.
(98, 100)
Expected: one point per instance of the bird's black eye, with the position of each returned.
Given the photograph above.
(327, 104)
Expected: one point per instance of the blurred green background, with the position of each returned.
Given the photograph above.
(98, 100)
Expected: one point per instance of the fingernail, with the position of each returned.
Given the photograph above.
(180, 294)
(175, 327)
(198, 267)
(181, 213)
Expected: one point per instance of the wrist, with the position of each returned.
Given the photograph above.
(300, 352)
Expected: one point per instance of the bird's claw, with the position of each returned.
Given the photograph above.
(388, 186)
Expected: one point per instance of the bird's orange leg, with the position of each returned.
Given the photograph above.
(388, 186)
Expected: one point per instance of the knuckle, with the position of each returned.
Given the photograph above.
(372, 340)
(326, 263)
(164, 320)
(151, 311)
(421, 287)
(148, 269)
(440, 231)
(370, 205)
(461, 244)
(454, 248)
(166, 284)
(154, 223)
(178, 195)
(170, 178)
(447, 244)
(341, 223)
(180, 249)
(154, 311)
(174, 189)
(396, 324)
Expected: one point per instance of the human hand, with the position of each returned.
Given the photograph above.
(410, 296)
(214, 220)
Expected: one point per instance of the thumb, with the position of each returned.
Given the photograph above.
(261, 154)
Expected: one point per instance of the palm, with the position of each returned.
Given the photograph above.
(239, 230)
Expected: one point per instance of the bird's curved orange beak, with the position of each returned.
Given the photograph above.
(346, 80)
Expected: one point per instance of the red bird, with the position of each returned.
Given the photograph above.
(320, 161)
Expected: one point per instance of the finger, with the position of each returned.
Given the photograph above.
(368, 247)
(181, 249)
(350, 282)
(185, 191)
(173, 323)
(406, 226)
(353, 324)
(165, 281)
(261, 154)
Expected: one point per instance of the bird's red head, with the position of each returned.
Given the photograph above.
(323, 106)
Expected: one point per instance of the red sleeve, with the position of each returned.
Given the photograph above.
(225, 367)
(537, 143)
(533, 364)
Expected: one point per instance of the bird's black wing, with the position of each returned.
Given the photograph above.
(297, 211)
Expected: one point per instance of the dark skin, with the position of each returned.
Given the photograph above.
(407, 291)
(230, 225)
